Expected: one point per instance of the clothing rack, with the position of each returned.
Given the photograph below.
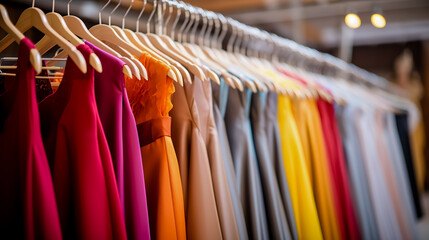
(282, 48)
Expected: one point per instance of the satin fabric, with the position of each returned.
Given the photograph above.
(244, 157)
(334, 148)
(390, 176)
(276, 216)
(384, 211)
(194, 165)
(303, 202)
(209, 133)
(309, 125)
(220, 98)
(28, 208)
(274, 147)
(121, 133)
(151, 102)
(84, 180)
(398, 163)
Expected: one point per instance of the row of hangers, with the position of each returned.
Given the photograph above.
(186, 52)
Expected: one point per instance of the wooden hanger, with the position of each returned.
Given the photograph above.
(160, 45)
(34, 17)
(16, 35)
(144, 41)
(57, 23)
(76, 26)
(107, 33)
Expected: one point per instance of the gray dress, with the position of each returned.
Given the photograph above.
(246, 167)
(276, 215)
(220, 98)
(276, 155)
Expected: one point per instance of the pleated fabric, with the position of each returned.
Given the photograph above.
(274, 147)
(202, 218)
(220, 98)
(309, 125)
(303, 202)
(342, 196)
(151, 103)
(84, 179)
(120, 130)
(276, 216)
(244, 157)
(28, 208)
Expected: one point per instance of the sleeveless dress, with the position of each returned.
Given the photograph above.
(151, 102)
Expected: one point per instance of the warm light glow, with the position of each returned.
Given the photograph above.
(378, 20)
(352, 20)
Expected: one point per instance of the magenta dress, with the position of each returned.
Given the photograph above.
(28, 208)
(121, 133)
(84, 180)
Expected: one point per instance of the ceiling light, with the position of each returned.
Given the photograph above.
(378, 20)
(352, 20)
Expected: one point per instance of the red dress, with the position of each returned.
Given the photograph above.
(28, 209)
(82, 168)
(342, 195)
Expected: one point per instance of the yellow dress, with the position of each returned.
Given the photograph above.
(306, 217)
(310, 129)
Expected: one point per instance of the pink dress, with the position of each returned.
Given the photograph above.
(28, 209)
(84, 179)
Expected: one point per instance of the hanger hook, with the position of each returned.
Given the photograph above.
(32, 4)
(155, 4)
(215, 38)
(140, 15)
(194, 28)
(204, 16)
(182, 28)
(206, 39)
(231, 40)
(178, 13)
(126, 13)
(114, 9)
(170, 10)
(191, 21)
(53, 5)
(99, 12)
(68, 7)
(224, 30)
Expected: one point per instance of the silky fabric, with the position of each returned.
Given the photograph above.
(334, 147)
(388, 226)
(303, 202)
(121, 134)
(402, 126)
(309, 125)
(220, 98)
(397, 158)
(28, 208)
(356, 168)
(390, 176)
(276, 155)
(84, 180)
(151, 102)
(244, 157)
(276, 216)
(194, 163)
(204, 104)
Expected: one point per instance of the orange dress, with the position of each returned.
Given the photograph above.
(151, 102)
